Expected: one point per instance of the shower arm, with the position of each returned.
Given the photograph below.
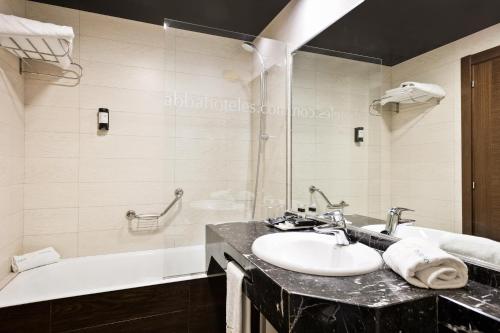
(329, 204)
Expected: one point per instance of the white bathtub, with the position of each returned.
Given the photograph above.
(89, 275)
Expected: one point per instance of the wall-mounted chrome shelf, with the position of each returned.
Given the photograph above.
(35, 42)
(69, 69)
(148, 222)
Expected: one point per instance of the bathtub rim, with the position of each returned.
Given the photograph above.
(117, 287)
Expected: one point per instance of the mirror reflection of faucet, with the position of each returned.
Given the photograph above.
(394, 219)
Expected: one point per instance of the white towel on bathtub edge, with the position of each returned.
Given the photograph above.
(35, 259)
(234, 298)
(424, 265)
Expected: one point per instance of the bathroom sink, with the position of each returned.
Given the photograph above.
(316, 254)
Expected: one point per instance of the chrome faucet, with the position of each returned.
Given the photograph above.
(341, 205)
(334, 225)
(394, 219)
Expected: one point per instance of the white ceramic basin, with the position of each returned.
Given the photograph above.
(317, 254)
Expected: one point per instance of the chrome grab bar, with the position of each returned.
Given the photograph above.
(132, 215)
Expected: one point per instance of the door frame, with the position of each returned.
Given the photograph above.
(466, 88)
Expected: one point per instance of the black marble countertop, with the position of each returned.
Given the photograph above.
(379, 289)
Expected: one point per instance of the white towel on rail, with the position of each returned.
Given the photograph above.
(424, 265)
(35, 259)
(33, 35)
(234, 298)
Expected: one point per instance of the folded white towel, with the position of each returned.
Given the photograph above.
(426, 266)
(35, 259)
(44, 37)
(234, 299)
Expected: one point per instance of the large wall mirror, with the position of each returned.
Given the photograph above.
(382, 121)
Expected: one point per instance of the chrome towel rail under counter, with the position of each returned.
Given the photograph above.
(151, 221)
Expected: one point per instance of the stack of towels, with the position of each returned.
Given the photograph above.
(424, 265)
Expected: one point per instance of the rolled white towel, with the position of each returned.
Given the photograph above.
(424, 265)
(35, 259)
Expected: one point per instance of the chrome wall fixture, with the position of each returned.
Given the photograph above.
(152, 221)
(329, 205)
(34, 54)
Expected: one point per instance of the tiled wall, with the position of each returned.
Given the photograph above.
(80, 183)
(331, 96)
(11, 149)
(426, 140)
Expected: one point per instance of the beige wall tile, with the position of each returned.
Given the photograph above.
(117, 99)
(113, 146)
(12, 112)
(121, 53)
(11, 141)
(66, 244)
(51, 119)
(50, 221)
(12, 227)
(113, 241)
(113, 194)
(51, 144)
(119, 76)
(120, 170)
(41, 93)
(51, 170)
(50, 195)
(11, 171)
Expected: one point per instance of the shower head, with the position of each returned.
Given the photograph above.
(251, 48)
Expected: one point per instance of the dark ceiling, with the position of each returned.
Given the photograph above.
(392, 30)
(398, 30)
(243, 16)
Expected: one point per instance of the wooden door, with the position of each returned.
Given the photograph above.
(485, 146)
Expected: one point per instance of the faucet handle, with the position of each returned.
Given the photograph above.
(400, 210)
(406, 221)
(335, 215)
